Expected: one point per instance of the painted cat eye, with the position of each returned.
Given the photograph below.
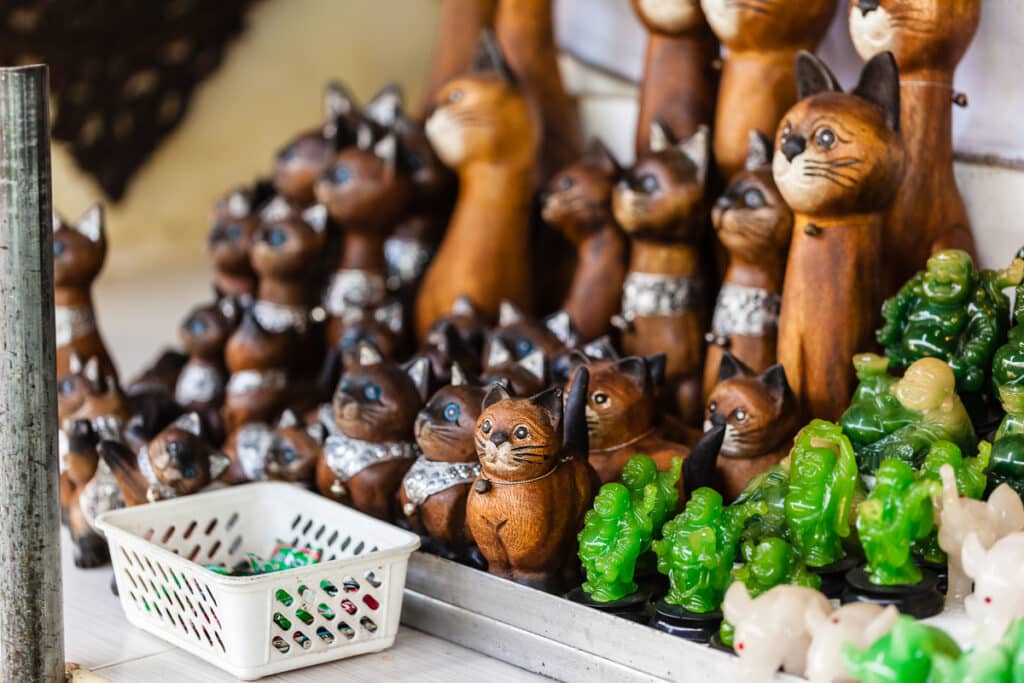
(451, 412)
(67, 386)
(600, 398)
(345, 383)
(486, 427)
(341, 175)
(649, 183)
(234, 232)
(826, 138)
(713, 406)
(740, 414)
(566, 183)
(275, 237)
(289, 456)
(189, 472)
(58, 248)
(455, 96)
(372, 392)
(196, 326)
(521, 432)
(754, 199)
(524, 346)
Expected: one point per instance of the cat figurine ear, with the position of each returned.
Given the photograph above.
(759, 152)
(338, 106)
(219, 464)
(288, 420)
(698, 150)
(634, 367)
(732, 366)
(601, 349)
(575, 437)
(497, 353)
(238, 204)
(316, 217)
(660, 139)
(385, 107)
(775, 379)
(490, 59)
(656, 369)
(813, 76)
(387, 150)
(464, 306)
(275, 210)
(418, 370)
(364, 136)
(317, 432)
(91, 224)
(880, 84)
(190, 422)
(368, 354)
(551, 400)
(92, 371)
(598, 154)
(536, 363)
(496, 391)
(75, 364)
(459, 377)
(560, 325)
(509, 314)
(58, 222)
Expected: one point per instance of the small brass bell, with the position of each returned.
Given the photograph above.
(409, 509)
(482, 485)
(338, 489)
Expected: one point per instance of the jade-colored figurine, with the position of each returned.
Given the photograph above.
(1007, 463)
(902, 417)
(970, 483)
(698, 548)
(904, 655)
(640, 472)
(614, 534)
(952, 312)
(897, 513)
(822, 483)
(769, 488)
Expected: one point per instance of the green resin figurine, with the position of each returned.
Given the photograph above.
(770, 488)
(698, 548)
(902, 417)
(822, 483)
(897, 513)
(904, 655)
(639, 472)
(951, 312)
(1008, 448)
(970, 483)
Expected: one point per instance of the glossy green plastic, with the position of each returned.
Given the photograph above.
(970, 483)
(1007, 464)
(904, 655)
(639, 472)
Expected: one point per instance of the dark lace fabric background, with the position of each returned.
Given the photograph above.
(121, 71)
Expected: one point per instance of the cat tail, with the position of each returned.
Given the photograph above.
(124, 466)
(575, 438)
(700, 466)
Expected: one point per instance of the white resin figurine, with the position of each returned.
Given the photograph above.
(957, 516)
(860, 624)
(771, 630)
(998, 574)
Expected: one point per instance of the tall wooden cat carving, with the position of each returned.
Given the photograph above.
(761, 41)
(680, 80)
(755, 225)
(485, 128)
(928, 40)
(838, 162)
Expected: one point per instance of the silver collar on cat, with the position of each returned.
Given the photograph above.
(160, 491)
(198, 383)
(354, 288)
(346, 457)
(650, 294)
(73, 322)
(407, 259)
(749, 311)
(277, 318)
(252, 446)
(100, 495)
(248, 381)
(427, 477)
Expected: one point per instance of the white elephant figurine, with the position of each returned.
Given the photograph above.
(859, 623)
(771, 630)
(998, 574)
(957, 516)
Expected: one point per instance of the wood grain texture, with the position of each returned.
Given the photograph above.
(458, 26)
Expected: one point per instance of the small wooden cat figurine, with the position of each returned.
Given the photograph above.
(526, 376)
(760, 416)
(288, 452)
(370, 444)
(200, 386)
(435, 489)
(522, 334)
(78, 254)
(445, 347)
(838, 163)
(176, 462)
(761, 41)
(259, 363)
(928, 40)
(235, 219)
(754, 224)
(680, 80)
(579, 205)
(527, 505)
(468, 320)
(659, 204)
(458, 26)
(485, 128)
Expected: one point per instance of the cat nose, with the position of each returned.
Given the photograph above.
(499, 437)
(867, 6)
(723, 202)
(793, 146)
(717, 420)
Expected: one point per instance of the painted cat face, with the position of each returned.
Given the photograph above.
(519, 438)
(523, 335)
(836, 153)
(286, 243)
(526, 376)
(661, 195)
(362, 189)
(182, 459)
(236, 218)
(206, 329)
(769, 24)
(432, 181)
(250, 347)
(85, 393)
(294, 450)
(377, 400)
(621, 400)
(752, 216)
(468, 320)
(443, 346)
(758, 411)
(919, 34)
(578, 201)
(79, 250)
(670, 17)
(445, 426)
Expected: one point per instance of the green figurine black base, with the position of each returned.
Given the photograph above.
(833, 576)
(680, 622)
(920, 600)
(632, 607)
(941, 572)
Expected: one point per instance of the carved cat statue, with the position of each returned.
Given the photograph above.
(761, 41)
(755, 225)
(79, 251)
(928, 40)
(660, 205)
(526, 376)
(527, 505)
(258, 363)
(838, 162)
(486, 129)
(236, 218)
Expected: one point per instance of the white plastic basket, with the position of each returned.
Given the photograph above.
(254, 626)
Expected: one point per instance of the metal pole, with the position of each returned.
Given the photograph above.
(31, 621)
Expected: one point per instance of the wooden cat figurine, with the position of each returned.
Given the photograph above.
(370, 444)
(435, 488)
(527, 505)
(579, 204)
(928, 40)
(760, 416)
(755, 225)
(485, 128)
(445, 347)
(286, 452)
(838, 163)
(680, 80)
(468, 320)
(79, 251)
(525, 376)
(201, 383)
(522, 334)
(235, 219)
(259, 363)
(758, 86)
(659, 204)
(458, 26)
